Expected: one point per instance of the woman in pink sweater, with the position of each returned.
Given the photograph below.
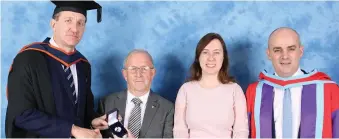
(211, 104)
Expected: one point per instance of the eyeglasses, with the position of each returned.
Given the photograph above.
(143, 69)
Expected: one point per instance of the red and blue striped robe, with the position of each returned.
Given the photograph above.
(319, 105)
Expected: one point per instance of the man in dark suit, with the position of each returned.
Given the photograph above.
(144, 113)
(49, 84)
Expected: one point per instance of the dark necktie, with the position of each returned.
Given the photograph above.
(70, 80)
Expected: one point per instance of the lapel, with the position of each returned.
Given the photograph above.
(49, 97)
(81, 85)
(120, 104)
(151, 109)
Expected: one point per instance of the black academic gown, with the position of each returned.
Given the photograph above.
(40, 102)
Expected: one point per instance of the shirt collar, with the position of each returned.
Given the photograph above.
(52, 42)
(299, 72)
(143, 98)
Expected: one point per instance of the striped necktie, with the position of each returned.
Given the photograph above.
(134, 121)
(70, 80)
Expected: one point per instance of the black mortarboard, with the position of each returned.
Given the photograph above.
(78, 6)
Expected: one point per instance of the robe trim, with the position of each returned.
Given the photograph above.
(295, 84)
(58, 59)
(290, 78)
(25, 48)
(320, 110)
(319, 104)
(257, 106)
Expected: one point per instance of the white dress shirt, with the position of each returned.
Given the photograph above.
(73, 68)
(296, 109)
(130, 106)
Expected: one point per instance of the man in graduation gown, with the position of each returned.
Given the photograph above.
(49, 83)
(292, 103)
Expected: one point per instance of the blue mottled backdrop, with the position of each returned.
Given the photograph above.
(170, 32)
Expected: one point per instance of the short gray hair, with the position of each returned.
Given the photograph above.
(138, 51)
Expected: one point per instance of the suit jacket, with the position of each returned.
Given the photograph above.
(158, 118)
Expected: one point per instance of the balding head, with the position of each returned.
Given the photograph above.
(285, 50)
(283, 33)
